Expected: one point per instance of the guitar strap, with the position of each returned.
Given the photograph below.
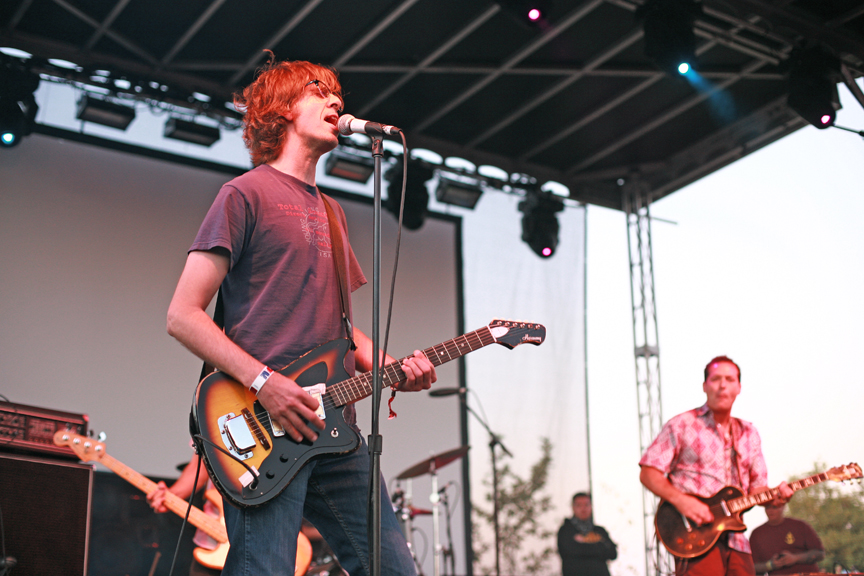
(734, 432)
(339, 258)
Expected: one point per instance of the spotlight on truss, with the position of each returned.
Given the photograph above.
(349, 164)
(458, 190)
(540, 222)
(813, 77)
(416, 194)
(17, 103)
(103, 112)
(669, 38)
(191, 132)
(530, 12)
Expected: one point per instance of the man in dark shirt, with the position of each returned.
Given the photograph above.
(785, 545)
(584, 547)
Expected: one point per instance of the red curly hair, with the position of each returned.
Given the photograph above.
(276, 89)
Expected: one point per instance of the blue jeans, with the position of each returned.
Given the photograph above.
(331, 493)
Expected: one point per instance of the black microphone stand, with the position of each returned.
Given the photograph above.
(375, 439)
(494, 441)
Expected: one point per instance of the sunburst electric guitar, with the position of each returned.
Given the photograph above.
(230, 417)
(89, 450)
(684, 539)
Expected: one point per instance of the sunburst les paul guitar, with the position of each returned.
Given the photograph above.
(237, 428)
(89, 450)
(684, 539)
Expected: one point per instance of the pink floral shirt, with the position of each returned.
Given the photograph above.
(697, 460)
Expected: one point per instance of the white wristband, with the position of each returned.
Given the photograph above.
(260, 380)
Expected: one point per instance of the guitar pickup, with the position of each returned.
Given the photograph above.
(239, 435)
(317, 391)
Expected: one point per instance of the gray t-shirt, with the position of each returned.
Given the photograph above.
(281, 294)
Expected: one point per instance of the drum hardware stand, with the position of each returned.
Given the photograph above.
(448, 551)
(406, 514)
(435, 498)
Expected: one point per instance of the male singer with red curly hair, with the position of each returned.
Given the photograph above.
(266, 242)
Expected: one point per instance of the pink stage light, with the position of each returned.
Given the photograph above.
(826, 119)
(534, 14)
(547, 252)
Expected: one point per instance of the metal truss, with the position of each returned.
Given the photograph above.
(636, 201)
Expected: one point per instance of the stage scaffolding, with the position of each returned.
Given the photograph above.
(636, 203)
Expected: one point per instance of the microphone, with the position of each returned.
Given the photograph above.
(447, 392)
(446, 486)
(348, 125)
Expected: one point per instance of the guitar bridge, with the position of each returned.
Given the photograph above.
(686, 523)
(236, 436)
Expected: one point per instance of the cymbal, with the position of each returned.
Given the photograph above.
(433, 463)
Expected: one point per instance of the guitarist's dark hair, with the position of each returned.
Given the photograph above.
(719, 359)
(581, 495)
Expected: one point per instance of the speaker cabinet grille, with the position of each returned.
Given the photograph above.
(46, 514)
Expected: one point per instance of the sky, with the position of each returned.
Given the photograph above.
(763, 263)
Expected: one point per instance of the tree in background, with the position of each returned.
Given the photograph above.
(836, 512)
(521, 508)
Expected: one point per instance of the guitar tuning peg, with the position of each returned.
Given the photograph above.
(101, 436)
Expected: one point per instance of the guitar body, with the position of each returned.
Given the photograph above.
(253, 462)
(684, 540)
(218, 395)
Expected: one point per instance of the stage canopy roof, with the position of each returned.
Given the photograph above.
(573, 99)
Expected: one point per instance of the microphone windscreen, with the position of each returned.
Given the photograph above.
(344, 124)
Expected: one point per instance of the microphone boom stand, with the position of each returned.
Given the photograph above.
(494, 441)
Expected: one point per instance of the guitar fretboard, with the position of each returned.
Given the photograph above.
(360, 386)
(747, 502)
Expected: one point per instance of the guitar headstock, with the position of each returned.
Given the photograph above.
(511, 333)
(850, 471)
(85, 448)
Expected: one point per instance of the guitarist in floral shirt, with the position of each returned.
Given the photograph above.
(701, 451)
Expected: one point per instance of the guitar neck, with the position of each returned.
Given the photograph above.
(360, 386)
(174, 503)
(747, 502)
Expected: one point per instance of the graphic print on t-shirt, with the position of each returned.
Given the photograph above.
(314, 225)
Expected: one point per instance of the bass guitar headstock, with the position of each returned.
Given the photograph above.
(512, 333)
(85, 448)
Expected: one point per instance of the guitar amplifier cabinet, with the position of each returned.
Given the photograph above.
(30, 429)
(46, 514)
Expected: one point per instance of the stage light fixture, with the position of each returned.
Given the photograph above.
(669, 38)
(813, 77)
(531, 12)
(191, 132)
(458, 190)
(416, 194)
(103, 112)
(540, 223)
(17, 103)
(349, 164)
